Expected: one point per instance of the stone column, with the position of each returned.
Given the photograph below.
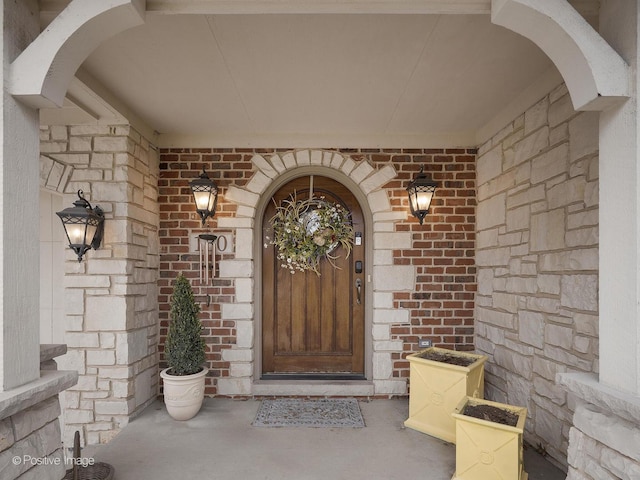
(604, 440)
(30, 446)
(619, 221)
(29, 408)
(19, 226)
(110, 297)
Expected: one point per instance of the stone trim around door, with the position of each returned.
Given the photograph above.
(366, 183)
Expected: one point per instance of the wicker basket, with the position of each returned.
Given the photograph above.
(97, 471)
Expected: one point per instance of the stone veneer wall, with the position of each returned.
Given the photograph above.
(605, 439)
(32, 435)
(424, 276)
(111, 296)
(537, 256)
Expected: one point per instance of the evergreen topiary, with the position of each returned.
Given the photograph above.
(184, 348)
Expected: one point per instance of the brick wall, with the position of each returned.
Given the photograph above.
(537, 256)
(439, 307)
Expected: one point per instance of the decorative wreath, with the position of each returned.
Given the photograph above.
(307, 230)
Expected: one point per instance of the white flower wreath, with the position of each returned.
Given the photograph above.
(307, 230)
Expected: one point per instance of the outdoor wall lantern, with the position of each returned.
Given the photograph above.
(83, 224)
(420, 192)
(205, 194)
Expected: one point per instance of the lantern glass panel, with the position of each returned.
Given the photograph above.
(204, 200)
(80, 230)
(421, 200)
(76, 233)
(91, 233)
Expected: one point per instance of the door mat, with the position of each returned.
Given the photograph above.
(298, 412)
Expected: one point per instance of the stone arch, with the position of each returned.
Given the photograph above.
(596, 76)
(366, 182)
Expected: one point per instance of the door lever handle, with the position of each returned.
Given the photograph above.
(358, 290)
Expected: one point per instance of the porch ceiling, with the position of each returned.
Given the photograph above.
(318, 80)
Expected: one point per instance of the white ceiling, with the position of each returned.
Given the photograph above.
(316, 80)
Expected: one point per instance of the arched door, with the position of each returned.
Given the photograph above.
(313, 325)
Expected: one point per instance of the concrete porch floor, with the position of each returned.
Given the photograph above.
(220, 443)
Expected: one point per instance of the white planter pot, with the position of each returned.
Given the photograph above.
(183, 395)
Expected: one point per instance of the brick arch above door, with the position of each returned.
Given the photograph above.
(367, 183)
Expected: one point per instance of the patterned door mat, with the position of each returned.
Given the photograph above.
(298, 412)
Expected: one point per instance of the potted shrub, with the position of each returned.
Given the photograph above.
(489, 440)
(439, 379)
(184, 352)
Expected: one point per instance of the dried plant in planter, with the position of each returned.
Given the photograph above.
(491, 414)
(446, 357)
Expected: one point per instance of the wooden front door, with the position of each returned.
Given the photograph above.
(313, 326)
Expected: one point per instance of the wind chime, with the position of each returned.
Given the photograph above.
(207, 249)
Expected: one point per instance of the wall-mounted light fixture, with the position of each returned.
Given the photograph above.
(205, 194)
(83, 225)
(420, 192)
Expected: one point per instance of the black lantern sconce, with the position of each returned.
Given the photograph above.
(205, 194)
(83, 225)
(420, 192)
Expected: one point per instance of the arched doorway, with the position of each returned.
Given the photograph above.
(313, 325)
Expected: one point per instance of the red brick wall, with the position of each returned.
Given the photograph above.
(441, 307)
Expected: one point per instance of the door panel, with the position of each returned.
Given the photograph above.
(313, 325)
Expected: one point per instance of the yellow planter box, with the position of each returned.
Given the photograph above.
(436, 388)
(487, 450)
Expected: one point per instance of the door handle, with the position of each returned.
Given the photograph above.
(358, 291)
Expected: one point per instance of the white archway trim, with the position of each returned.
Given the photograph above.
(213, 7)
(42, 73)
(596, 76)
(386, 278)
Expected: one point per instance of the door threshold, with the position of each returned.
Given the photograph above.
(315, 387)
(312, 376)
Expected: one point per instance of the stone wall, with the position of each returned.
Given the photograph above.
(30, 447)
(604, 439)
(111, 296)
(423, 275)
(537, 257)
